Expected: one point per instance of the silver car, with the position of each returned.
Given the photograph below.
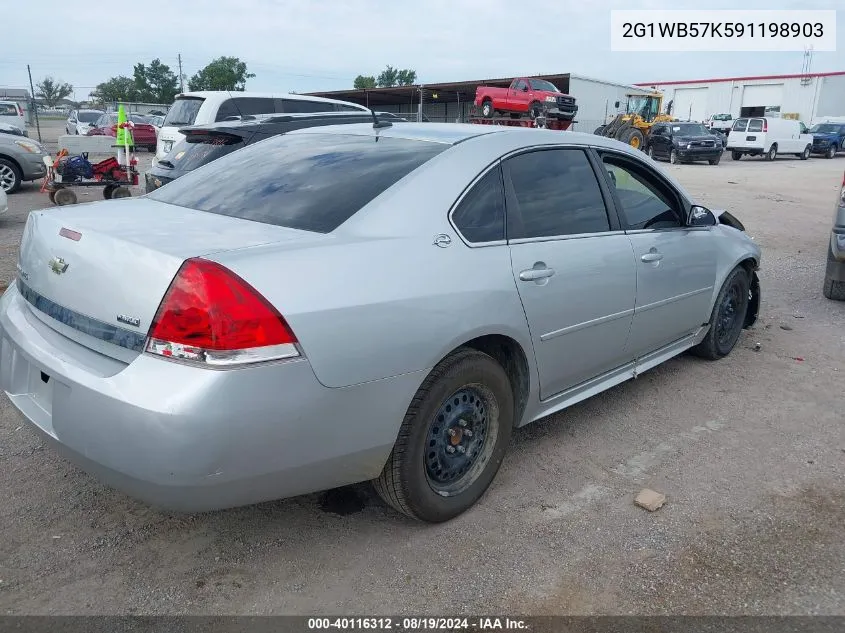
(360, 302)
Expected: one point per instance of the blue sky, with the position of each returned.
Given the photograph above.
(304, 45)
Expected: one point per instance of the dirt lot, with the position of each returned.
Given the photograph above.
(750, 451)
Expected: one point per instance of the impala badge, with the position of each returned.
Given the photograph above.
(58, 265)
(129, 320)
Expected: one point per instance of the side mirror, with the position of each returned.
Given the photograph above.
(700, 216)
(525, 89)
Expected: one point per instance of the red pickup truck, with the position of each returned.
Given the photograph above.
(526, 95)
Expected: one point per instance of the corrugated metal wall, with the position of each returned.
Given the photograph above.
(596, 99)
(831, 101)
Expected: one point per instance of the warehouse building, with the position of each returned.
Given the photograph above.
(807, 97)
(453, 101)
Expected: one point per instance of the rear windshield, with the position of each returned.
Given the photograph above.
(89, 117)
(183, 111)
(312, 182)
(188, 156)
(755, 125)
(8, 108)
(691, 129)
(740, 125)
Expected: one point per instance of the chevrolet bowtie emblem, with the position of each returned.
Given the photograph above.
(58, 265)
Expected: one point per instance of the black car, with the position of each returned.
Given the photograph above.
(205, 143)
(684, 143)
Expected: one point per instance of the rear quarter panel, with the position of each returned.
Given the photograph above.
(377, 298)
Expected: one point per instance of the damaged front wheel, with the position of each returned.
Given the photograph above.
(727, 318)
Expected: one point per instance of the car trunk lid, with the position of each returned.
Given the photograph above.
(97, 272)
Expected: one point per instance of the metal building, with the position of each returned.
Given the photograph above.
(806, 97)
(452, 101)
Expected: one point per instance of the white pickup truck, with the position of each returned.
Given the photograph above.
(721, 122)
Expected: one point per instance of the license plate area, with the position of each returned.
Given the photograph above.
(167, 146)
(750, 138)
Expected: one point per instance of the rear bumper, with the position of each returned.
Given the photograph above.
(192, 439)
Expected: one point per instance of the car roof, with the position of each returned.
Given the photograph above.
(227, 94)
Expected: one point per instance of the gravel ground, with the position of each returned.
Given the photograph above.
(750, 451)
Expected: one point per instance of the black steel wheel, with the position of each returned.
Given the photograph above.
(121, 192)
(736, 155)
(108, 190)
(452, 440)
(727, 318)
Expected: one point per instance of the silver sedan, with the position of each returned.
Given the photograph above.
(360, 302)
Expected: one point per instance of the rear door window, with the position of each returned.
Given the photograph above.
(311, 182)
(8, 109)
(292, 106)
(740, 125)
(244, 106)
(183, 112)
(755, 125)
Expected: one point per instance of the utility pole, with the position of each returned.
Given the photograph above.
(181, 76)
(33, 105)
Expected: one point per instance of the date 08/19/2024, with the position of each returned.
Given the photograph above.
(722, 29)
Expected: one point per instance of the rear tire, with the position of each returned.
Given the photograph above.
(727, 317)
(599, 130)
(121, 192)
(431, 474)
(834, 290)
(634, 138)
(736, 155)
(772, 153)
(487, 110)
(108, 191)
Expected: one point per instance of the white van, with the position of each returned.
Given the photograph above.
(768, 136)
(199, 108)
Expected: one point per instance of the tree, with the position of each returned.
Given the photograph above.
(362, 82)
(52, 91)
(224, 73)
(155, 83)
(120, 88)
(406, 77)
(388, 77)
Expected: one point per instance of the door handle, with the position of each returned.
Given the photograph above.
(652, 257)
(533, 274)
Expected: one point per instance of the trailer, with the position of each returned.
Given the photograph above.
(539, 122)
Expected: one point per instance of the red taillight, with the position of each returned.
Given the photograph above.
(212, 316)
(20, 110)
(765, 125)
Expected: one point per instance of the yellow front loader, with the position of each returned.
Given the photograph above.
(642, 111)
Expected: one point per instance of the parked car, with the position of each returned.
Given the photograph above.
(768, 137)
(721, 122)
(21, 159)
(684, 143)
(4, 201)
(205, 143)
(526, 95)
(834, 277)
(828, 138)
(80, 121)
(143, 133)
(13, 129)
(282, 319)
(202, 108)
(11, 113)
